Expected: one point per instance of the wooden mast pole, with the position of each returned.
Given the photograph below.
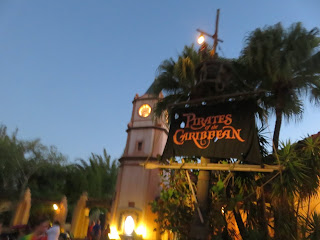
(215, 35)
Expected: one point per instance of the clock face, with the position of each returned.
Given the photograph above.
(144, 110)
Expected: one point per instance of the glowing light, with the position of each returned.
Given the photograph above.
(201, 39)
(222, 210)
(141, 230)
(144, 110)
(128, 225)
(113, 233)
(55, 207)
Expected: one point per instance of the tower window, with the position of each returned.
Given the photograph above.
(139, 146)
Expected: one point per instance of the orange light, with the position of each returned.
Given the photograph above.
(222, 210)
(201, 39)
(55, 207)
(113, 233)
(144, 110)
(141, 230)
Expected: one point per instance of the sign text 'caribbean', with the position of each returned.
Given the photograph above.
(220, 131)
(202, 130)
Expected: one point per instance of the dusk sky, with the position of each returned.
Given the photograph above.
(69, 69)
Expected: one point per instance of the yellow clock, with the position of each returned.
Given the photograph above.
(144, 110)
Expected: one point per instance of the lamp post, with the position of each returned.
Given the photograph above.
(201, 39)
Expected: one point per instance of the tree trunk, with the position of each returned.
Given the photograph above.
(200, 230)
(284, 219)
(307, 217)
(297, 219)
(263, 221)
(242, 228)
(277, 127)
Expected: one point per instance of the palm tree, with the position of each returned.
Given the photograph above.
(298, 182)
(101, 175)
(313, 227)
(176, 78)
(286, 63)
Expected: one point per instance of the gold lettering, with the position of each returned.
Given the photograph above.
(203, 135)
(211, 135)
(197, 135)
(211, 129)
(228, 119)
(214, 119)
(184, 137)
(206, 123)
(221, 118)
(176, 137)
(190, 118)
(235, 133)
(192, 135)
(227, 134)
(214, 127)
(204, 143)
(198, 122)
(219, 134)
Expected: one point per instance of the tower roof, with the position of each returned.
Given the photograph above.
(151, 90)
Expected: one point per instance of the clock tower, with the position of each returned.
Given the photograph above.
(137, 186)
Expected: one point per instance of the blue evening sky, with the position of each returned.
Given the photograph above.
(69, 69)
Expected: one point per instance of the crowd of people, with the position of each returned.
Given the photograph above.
(95, 231)
(39, 229)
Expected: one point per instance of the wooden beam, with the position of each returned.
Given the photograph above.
(210, 99)
(215, 166)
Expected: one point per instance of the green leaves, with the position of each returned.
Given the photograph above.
(218, 188)
(176, 78)
(302, 169)
(313, 227)
(286, 63)
(175, 207)
(47, 173)
(20, 160)
(100, 175)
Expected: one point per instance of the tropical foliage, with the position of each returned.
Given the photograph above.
(20, 160)
(174, 207)
(239, 206)
(101, 175)
(176, 78)
(285, 65)
(48, 174)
